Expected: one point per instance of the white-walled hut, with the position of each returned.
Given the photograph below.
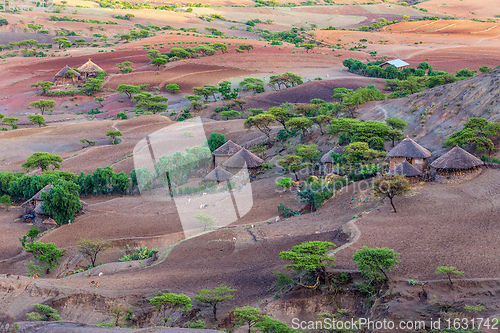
(410, 151)
(326, 160)
(224, 152)
(242, 159)
(456, 166)
(406, 169)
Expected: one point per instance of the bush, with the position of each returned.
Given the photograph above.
(139, 253)
(284, 183)
(287, 212)
(43, 313)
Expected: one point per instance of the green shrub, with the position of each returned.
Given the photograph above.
(139, 253)
(287, 212)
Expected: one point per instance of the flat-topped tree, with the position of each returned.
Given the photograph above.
(37, 119)
(374, 262)
(128, 89)
(390, 186)
(11, 121)
(43, 161)
(159, 61)
(113, 135)
(214, 298)
(293, 163)
(220, 47)
(43, 85)
(281, 115)
(262, 122)
(43, 105)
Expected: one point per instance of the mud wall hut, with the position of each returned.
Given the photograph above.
(409, 171)
(66, 75)
(326, 160)
(89, 69)
(456, 166)
(224, 152)
(410, 151)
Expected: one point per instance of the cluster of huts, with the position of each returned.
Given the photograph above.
(73, 76)
(411, 160)
(230, 158)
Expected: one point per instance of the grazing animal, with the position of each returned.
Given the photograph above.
(92, 282)
(204, 206)
(8, 275)
(97, 284)
(100, 273)
(277, 219)
(18, 277)
(35, 276)
(204, 194)
(295, 184)
(234, 239)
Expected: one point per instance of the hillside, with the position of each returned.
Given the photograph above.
(434, 114)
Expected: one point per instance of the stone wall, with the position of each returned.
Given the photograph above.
(457, 177)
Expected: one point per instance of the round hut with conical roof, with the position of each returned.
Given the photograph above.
(89, 69)
(410, 151)
(456, 166)
(224, 152)
(326, 160)
(66, 75)
(30, 205)
(242, 159)
(218, 175)
(406, 169)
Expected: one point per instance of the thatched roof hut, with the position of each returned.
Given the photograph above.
(327, 159)
(457, 159)
(243, 158)
(34, 200)
(218, 175)
(225, 151)
(66, 75)
(89, 69)
(409, 148)
(456, 166)
(405, 169)
(410, 151)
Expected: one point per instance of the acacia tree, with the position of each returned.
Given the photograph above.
(300, 124)
(99, 100)
(45, 253)
(216, 140)
(43, 105)
(247, 315)
(113, 135)
(262, 122)
(308, 47)
(281, 115)
(171, 301)
(118, 311)
(293, 163)
(42, 160)
(159, 61)
(246, 47)
(11, 121)
(43, 85)
(311, 258)
(390, 186)
(128, 89)
(90, 248)
(220, 47)
(37, 119)
(205, 220)
(214, 298)
(449, 271)
(373, 262)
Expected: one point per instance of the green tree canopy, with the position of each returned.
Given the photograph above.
(216, 140)
(247, 315)
(62, 201)
(214, 298)
(43, 161)
(389, 186)
(449, 271)
(45, 253)
(113, 135)
(37, 119)
(43, 105)
(293, 163)
(373, 262)
(281, 115)
(128, 89)
(171, 301)
(477, 132)
(262, 122)
(302, 124)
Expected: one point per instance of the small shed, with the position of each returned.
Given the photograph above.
(66, 76)
(456, 166)
(224, 152)
(30, 205)
(406, 169)
(218, 175)
(242, 159)
(326, 160)
(89, 69)
(396, 62)
(410, 151)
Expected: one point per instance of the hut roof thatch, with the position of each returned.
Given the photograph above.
(64, 72)
(405, 169)
(409, 148)
(458, 159)
(227, 149)
(39, 211)
(89, 67)
(327, 159)
(219, 175)
(242, 158)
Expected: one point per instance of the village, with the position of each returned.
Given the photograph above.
(246, 166)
